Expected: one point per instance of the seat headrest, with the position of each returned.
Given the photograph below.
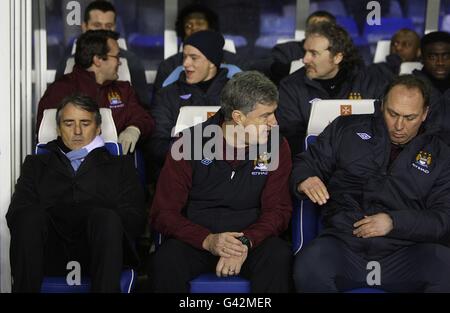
(47, 130)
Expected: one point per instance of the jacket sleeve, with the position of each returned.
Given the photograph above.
(25, 197)
(170, 199)
(319, 160)
(431, 224)
(276, 203)
(136, 115)
(131, 200)
(293, 123)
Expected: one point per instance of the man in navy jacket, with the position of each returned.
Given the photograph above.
(383, 186)
(333, 70)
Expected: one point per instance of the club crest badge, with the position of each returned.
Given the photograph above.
(423, 162)
(114, 100)
(346, 109)
(260, 165)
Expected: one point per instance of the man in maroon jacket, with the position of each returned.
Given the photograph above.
(224, 214)
(95, 75)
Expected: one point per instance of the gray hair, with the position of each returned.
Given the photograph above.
(245, 90)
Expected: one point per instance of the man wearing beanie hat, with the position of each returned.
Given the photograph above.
(204, 44)
(191, 19)
(200, 84)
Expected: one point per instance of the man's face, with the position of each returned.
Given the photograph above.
(100, 20)
(436, 59)
(259, 122)
(406, 45)
(404, 112)
(109, 67)
(319, 63)
(194, 23)
(196, 66)
(77, 127)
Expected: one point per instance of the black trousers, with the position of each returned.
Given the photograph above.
(37, 249)
(175, 263)
(328, 265)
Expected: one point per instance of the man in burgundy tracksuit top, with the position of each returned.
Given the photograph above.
(223, 213)
(95, 75)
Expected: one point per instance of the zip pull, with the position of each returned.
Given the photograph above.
(232, 174)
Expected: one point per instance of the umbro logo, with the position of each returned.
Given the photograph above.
(206, 162)
(364, 136)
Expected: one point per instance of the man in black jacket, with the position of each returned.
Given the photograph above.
(435, 49)
(405, 47)
(75, 203)
(284, 53)
(200, 84)
(383, 186)
(333, 70)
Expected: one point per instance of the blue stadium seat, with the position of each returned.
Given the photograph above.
(274, 27)
(239, 41)
(389, 26)
(59, 284)
(336, 7)
(210, 283)
(138, 40)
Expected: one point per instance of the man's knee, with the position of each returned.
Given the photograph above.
(105, 222)
(30, 223)
(170, 253)
(280, 252)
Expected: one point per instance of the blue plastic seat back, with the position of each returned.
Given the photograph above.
(388, 27)
(210, 283)
(59, 284)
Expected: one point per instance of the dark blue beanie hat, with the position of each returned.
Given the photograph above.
(210, 43)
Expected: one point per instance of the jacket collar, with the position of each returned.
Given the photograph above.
(100, 155)
(219, 81)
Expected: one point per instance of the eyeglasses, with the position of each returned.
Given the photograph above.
(117, 57)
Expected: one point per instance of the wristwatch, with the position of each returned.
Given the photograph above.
(245, 241)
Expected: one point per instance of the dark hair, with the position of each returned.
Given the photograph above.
(245, 90)
(324, 14)
(340, 42)
(93, 43)
(433, 37)
(410, 82)
(81, 101)
(101, 5)
(211, 17)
